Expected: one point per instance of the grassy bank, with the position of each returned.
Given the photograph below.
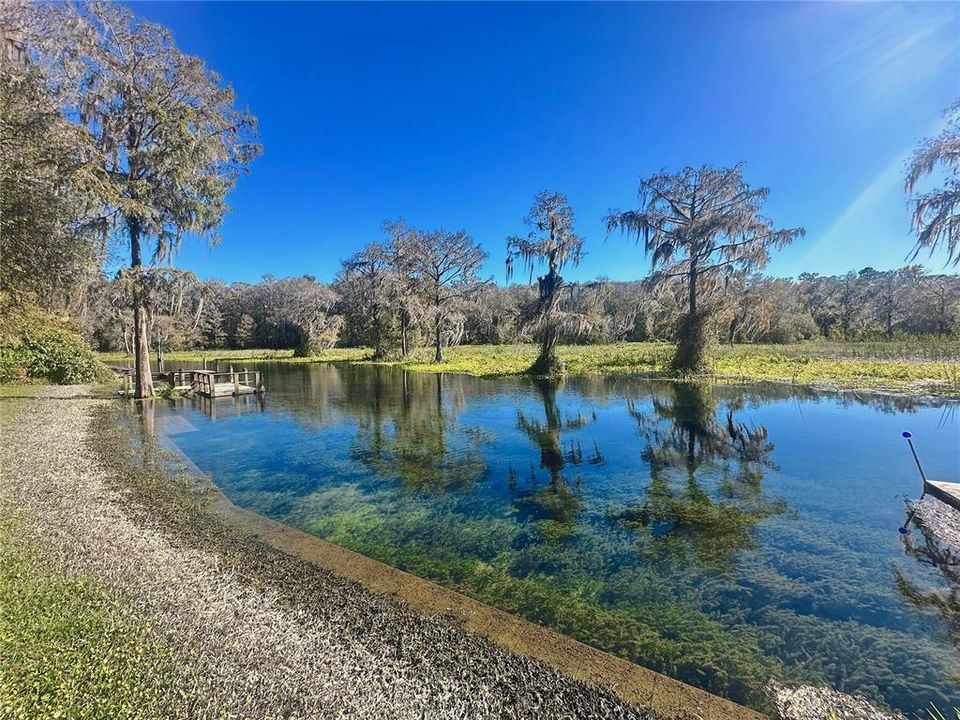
(68, 648)
(227, 356)
(929, 366)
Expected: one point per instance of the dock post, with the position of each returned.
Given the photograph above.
(236, 381)
(204, 363)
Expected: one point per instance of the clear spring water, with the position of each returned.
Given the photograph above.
(720, 534)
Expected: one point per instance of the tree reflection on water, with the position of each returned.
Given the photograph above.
(415, 439)
(705, 489)
(558, 500)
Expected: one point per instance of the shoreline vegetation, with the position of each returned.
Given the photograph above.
(930, 367)
(127, 594)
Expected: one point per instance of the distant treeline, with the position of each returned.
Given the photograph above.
(302, 313)
(101, 152)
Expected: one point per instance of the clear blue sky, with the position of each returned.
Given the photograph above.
(455, 115)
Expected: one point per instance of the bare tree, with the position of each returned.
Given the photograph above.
(446, 266)
(550, 240)
(936, 213)
(701, 225)
(167, 133)
(406, 290)
(310, 306)
(887, 293)
(367, 285)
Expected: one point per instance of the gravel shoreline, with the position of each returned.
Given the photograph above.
(257, 633)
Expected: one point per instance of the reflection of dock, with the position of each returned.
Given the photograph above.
(223, 406)
(944, 491)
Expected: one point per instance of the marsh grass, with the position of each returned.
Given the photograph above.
(929, 366)
(192, 356)
(925, 367)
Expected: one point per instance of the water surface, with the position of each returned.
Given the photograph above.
(720, 534)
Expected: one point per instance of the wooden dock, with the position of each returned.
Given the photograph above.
(210, 383)
(944, 491)
(207, 383)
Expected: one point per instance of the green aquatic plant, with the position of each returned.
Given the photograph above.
(945, 601)
(558, 500)
(934, 713)
(416, 439)
(699, 541)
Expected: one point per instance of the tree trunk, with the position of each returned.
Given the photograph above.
(438, 340)
(732, 329)
(141, 340)
(942, 312)
(549, 363)
(379, 344)
(692, 344)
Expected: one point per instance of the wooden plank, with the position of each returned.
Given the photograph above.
(205, 383)
(227, 389)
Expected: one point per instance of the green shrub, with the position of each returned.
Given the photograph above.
(11, 366)
(37, 345)
(59, 355)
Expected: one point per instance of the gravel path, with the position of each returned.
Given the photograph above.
(257, 633)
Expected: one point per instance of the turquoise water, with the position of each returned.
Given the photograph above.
(720, 534)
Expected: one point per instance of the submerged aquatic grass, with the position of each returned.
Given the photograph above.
(685, 527)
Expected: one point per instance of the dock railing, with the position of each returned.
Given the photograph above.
(242, 381)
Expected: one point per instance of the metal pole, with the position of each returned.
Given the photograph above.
(916, 457)
(905, 528)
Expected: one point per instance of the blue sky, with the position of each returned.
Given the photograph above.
(455, 115)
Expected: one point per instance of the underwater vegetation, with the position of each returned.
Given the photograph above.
(677, 525)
